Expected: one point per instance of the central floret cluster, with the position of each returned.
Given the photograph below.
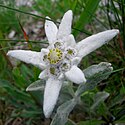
(59, 58)
(54, 56)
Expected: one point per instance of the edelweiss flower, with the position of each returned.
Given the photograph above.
(60, 59)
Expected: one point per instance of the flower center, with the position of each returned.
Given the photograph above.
(54, 56)
(52, 70)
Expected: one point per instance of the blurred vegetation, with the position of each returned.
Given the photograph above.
(18, 107)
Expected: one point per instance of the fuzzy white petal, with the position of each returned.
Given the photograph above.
(93, 42)
(75, 75)
(44, 51)
(50, 30)
(27, 56)
(61, 76)
(43, 74)
(69, 41)
(51, 94)
(75, 61)
(65, 26)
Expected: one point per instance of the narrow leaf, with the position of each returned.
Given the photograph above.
(96, 77)
(15, 93)
(86, 15)
(63, 111)
(37, 85)
(66, 93)
(94, 69)
(99, 97)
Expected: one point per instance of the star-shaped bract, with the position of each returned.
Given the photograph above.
(60, 59)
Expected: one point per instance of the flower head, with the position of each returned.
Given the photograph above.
(60, 59)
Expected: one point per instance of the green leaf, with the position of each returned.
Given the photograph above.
(63, 111)
(98, 98)
(26, 71)
(19, 79)
(37, 96)
(94, 69)
(66, 93)
(37, 85)
(94, 78)
(29, 114)
(20, 11)
(16, 94)
(120, 121)
(26, 113)
(73, 5)
(86, 15)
